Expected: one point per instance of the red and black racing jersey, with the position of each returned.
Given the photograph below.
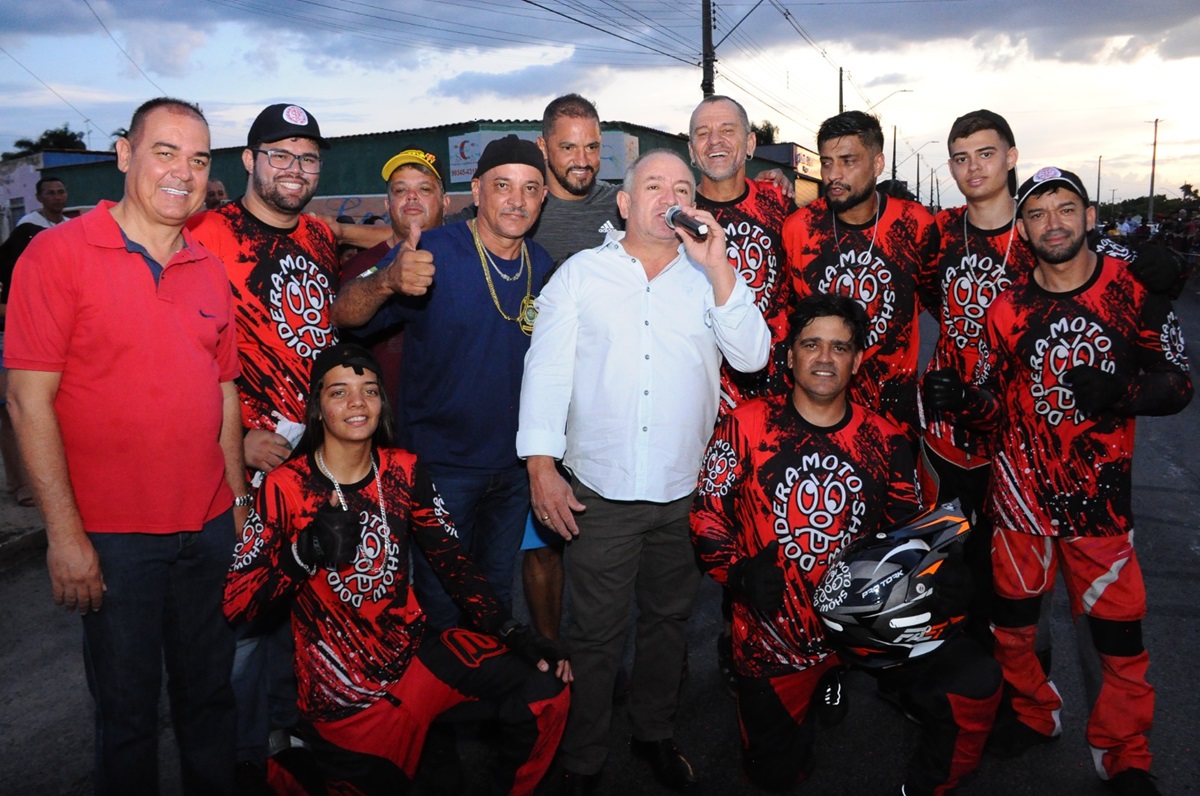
(888, 266)
(974, 266)
(1057, 472)
(283, 284)
(753, 225)
(357, 626)
(769, 475)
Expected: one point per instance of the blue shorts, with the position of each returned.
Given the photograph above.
(538, 536)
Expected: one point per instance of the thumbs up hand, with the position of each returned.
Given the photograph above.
(411, 273)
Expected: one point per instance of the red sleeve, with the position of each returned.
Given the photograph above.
(265, 572)
(714, 512)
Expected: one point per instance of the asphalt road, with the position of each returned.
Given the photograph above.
(45, 710)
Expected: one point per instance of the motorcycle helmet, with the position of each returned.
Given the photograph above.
(898, 594)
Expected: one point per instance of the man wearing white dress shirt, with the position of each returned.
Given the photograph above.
(621, 385)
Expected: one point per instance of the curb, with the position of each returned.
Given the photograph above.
(17, 545)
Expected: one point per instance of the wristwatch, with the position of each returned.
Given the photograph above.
(243, 501)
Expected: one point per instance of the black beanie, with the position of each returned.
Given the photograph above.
(510, 149)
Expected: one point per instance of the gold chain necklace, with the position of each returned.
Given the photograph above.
(527, 313)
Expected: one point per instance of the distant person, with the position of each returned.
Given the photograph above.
(126, 411)
(51, 193)
(215, 195)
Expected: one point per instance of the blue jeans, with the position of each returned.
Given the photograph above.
(489, 512)
(162, 604)
(264, 685)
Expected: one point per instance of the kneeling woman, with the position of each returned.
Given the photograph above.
(330, 534)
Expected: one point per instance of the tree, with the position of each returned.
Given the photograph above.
(120, 132)
(1189, 192)
(765, 131)
(54, 138)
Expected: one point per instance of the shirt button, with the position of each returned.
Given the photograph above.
(645, 392)
(647, 356)
(645, 429)
(647, 288)
(645, 323)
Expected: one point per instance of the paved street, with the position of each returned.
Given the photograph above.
(45, 713)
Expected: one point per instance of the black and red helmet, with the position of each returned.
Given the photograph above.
(898, 594)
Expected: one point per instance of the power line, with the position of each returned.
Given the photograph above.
(67, 102)
(161, 90)
(610, 33)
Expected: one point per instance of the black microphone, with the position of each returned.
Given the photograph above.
(676, 219)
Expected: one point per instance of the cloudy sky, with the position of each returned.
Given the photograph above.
(1078, 81)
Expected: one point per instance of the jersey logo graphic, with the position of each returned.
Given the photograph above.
(719, 471)
(472, 648)
(1171, 339)
(970, 289)
(808, 505)
(441, 515)
(1069, 342)
(868, 281)
(607, 227)
(250, 543)
(299, 298)
(373, 572)
(752, 251)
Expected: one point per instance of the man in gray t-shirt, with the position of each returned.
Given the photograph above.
(578, 214)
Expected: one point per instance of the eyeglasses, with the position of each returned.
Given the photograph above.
(282, 159)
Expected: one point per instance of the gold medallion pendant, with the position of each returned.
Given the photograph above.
(527, 315)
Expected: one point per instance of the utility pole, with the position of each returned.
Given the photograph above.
(1098, 161)
(709, 57)
(893, 153)
(841, 101)
(918, 177)
(1153, 161)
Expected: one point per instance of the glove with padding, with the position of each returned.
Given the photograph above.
(1157, 267)
(952, 585)
(331, 539)
(1095, 389)
(759, 579)
(944, 390)
(529, 645)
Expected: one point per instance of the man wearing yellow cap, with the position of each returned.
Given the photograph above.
(415, 195)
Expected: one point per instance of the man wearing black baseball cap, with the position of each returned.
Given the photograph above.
(1072, 354)
(464, 295)
(283, 269)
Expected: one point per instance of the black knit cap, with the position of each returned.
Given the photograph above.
(510, 149)
(346, 355)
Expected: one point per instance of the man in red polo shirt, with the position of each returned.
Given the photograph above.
(122, 359)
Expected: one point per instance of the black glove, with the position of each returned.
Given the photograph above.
(759, 579)
(331, 539)
(530, 646)
(1157, 267)
(1095, 390)
(952, 585)
(944, 390)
